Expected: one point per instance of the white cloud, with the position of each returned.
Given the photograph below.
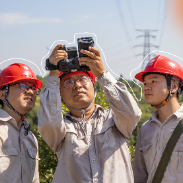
(82, 18)
(19, 18)
(86, 16)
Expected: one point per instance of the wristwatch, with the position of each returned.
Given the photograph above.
(103, 74)
(50, 66)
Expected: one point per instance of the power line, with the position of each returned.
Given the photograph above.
(116, 51)
(124, 24)
(131, 13)
(147, 45)
(164, 20)
(120, 44)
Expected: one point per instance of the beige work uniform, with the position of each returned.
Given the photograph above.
(18, 153)
(152, 140)
(99, 153)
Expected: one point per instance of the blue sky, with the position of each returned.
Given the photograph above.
(28, 29)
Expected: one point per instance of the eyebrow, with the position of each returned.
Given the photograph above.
(73, 77)
(154, 77)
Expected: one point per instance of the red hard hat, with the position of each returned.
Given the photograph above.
(81, 72)
(16, 72)
(161, 64)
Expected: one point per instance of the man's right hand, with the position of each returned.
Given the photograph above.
(55, 57)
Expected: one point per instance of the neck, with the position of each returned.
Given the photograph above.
(88, 112)
(13, 115)
(167, 110)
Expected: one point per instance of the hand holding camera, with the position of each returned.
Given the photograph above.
(66, 59)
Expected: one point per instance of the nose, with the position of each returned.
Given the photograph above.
(30, 90)
(77, 84)
(147, 87)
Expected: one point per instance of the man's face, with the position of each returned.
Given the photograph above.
(79, 95)
(22, 101)
(155, 89)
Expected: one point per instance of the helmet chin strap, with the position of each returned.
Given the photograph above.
(11, 107)
(164, 102)
(81, 109)
(168, 79)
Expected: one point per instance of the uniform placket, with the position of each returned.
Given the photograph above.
(159, 145)
(25, 176)
(92, 154)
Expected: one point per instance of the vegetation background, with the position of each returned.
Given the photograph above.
(48, 159)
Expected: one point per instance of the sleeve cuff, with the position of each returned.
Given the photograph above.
(107, 79)
(52, 82)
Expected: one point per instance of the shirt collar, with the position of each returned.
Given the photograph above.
(177, 115)
(4, 116)
(179, 112)
(97, 109)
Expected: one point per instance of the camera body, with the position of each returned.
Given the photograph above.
(72, 64)
(84, 43)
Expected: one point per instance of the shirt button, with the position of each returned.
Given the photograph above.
(95, 180)
(93, 160)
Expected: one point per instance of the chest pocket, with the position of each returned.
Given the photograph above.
(9, 163)
(75, 141)
(176, 161)
(106, 135)
(32, 161)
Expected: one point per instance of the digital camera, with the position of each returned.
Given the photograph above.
(72, 64)
(84, 43)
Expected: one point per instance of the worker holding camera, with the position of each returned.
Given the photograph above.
(90, 142)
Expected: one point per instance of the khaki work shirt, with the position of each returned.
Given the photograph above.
(99, 153)
(152, 140)
(18, 153)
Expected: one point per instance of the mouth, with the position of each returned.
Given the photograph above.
(28, 99)
(148, 94)
(79, 93)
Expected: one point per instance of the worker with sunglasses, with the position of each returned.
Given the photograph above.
(90, 142)
(18, 146)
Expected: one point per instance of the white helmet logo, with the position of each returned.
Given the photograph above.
(26, 68)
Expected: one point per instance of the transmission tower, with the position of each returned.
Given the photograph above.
(147, 45)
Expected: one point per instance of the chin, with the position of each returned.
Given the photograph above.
(81, 104)
(28, 108)
(150, 102)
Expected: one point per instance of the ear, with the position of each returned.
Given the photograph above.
(2, 94)
(174, 86)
